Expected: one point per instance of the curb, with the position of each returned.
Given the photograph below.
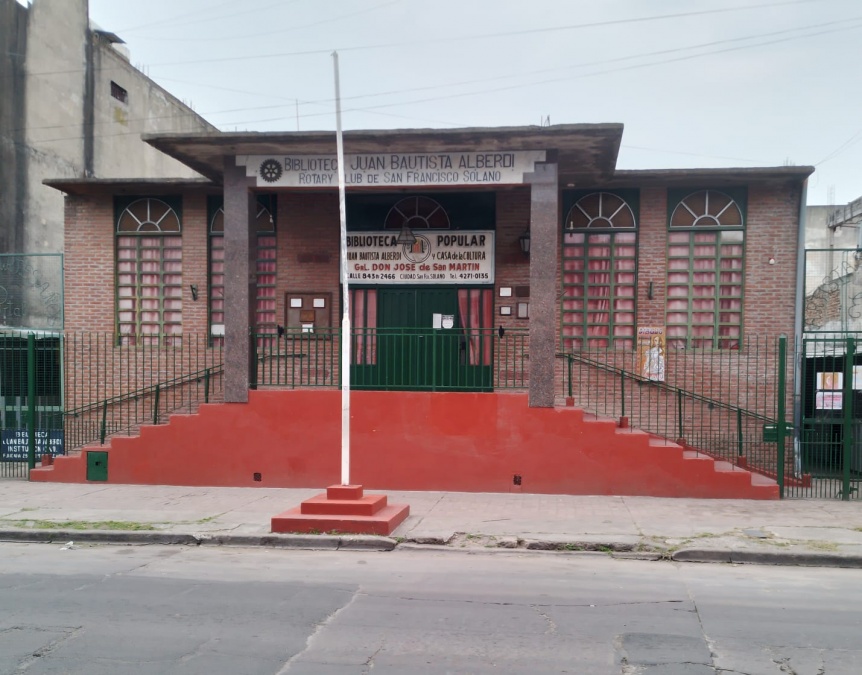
(295, 541)
(792, 559)
(325, 542)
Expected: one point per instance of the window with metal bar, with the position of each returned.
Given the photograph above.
(149, 273)
(705, 268)
(266, 266)
(599, 272)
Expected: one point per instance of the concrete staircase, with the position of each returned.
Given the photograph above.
(470, 442)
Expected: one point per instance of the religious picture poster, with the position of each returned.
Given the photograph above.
(830, 381)
(651, 351)
(828, 400)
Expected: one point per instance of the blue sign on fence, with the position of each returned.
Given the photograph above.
(14, 443)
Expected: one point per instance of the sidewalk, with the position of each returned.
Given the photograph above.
(792, 532)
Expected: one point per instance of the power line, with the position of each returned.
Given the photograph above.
(841, 148)
(414, 43)
(371, 109)
(199, 19)
(272, 32)
(584, 75)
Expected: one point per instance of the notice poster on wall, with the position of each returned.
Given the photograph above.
(828, 400)
(830, 381)
(651, 352)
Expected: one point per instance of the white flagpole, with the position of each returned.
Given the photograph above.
(345, 318)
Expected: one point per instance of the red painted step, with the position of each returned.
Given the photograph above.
(473, 442)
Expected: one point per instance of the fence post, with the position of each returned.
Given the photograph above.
(569, 360)
(207, 385)
(156, 405)
(254, 359)
(31, 400)
(739, 446)
(849, 441)
(624, 422)
(681, 435)
(104, 427)
(780, 411)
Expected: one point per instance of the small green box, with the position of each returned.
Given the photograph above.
(97, 465)
(770, 433)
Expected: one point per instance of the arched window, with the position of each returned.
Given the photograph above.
(266, 270)
(417, 213)
(599, 271)
(149, 273)
(706, 247)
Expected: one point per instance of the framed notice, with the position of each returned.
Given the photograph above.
(651, 350)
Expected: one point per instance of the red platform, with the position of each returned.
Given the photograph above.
(343, 508)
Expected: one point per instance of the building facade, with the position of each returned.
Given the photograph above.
(482, 263)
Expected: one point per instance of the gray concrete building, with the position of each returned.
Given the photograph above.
(72, 105)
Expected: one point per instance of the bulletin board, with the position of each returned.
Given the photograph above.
(307, 311)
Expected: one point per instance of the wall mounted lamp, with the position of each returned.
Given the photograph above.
(524, 241)
(194, 290)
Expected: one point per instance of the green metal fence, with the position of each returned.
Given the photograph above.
(61, 391)
(722, 403)
(395, 359)
(826, 460)
(31, 400)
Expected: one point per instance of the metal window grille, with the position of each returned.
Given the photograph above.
(149, 289)
(705, 289)
(599, 289)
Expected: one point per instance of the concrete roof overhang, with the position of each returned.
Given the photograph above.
(706, 178)
(132, 186)
(582, 151)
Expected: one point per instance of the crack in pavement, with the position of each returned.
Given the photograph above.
(68, 632)
(552, 626)
(318, 629)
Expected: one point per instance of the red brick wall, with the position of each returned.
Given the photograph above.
(89, 264)
(308, 233)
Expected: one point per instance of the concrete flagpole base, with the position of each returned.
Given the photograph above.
(343, 508)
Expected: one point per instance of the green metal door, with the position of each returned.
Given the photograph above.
(413, 353)
(420, 345)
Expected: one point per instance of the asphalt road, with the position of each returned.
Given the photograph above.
(148, 609)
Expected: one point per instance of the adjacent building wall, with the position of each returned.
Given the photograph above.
(59, 119)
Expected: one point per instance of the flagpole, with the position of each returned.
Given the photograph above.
(345, 318)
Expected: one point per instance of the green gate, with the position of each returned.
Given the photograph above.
(421, 344)
(828, 463)
(31, 401)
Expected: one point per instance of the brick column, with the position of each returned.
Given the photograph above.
(544, 250)
(239, 281)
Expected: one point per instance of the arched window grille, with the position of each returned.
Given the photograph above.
(417, 213)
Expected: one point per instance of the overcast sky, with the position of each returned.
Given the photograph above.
(697, 83)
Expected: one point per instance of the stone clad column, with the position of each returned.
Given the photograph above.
(544, 252)
(239, 281)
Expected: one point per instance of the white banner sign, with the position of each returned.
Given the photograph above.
(437, 257)
(393, 169)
